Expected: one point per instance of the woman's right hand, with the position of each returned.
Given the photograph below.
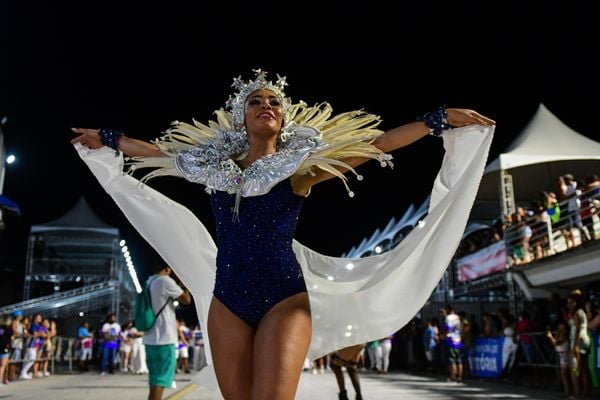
(90, 138)
(87, 137)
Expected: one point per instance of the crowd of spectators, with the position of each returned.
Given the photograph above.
(28, 345)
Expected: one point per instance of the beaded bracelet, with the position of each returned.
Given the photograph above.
(436, 121)
(110, 138)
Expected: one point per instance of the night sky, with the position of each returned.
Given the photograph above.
(138, 68)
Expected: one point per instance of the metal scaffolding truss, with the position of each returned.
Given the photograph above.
(77, 249)
(84, 299)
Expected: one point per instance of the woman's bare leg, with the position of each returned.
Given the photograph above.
(280, 347)
(565, 376)
(575, 381)
(231, 341)
(3, 365)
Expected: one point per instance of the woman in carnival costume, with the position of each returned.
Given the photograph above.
(267, 300)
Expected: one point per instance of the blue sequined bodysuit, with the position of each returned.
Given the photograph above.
(256, 266)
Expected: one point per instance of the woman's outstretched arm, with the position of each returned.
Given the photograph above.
(392, 140)
(409, 133)
(132, 147)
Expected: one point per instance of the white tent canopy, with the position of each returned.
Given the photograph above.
(545, 149)
(545, 139)
(79, 218)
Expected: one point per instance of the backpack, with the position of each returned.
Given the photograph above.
(143, 315)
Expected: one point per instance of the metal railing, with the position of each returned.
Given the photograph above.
(544, 356)
(63, 353)
(550, 237)
(62, 299)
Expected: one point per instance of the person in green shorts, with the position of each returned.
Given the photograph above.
(161, 338)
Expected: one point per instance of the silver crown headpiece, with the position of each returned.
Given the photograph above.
(237, 101)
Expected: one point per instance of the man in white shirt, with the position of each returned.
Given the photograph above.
(160, 340)
(111, 331)
(454, 343)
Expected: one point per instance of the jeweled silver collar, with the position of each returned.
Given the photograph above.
(213, 165)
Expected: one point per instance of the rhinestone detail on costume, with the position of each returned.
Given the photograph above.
(256, 266)
(213, 166)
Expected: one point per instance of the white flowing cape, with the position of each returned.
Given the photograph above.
(367, 300)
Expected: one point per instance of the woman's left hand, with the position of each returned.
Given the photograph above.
(458, 117)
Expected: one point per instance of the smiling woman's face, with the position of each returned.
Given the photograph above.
(263, 113)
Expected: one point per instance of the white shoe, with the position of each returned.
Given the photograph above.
(27, 376)
(102, 373)
(174, 385)
(47, 373)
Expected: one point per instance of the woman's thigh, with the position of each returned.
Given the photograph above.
(280, 347)
(351, 353)
(231, 341)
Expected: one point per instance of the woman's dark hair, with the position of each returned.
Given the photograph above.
(158, 266)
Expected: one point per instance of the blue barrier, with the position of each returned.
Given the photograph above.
(489, 357)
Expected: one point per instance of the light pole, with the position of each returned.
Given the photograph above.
(4, 202)
(2, 167)
(2, 154)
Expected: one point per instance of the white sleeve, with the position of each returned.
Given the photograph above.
(171, 289)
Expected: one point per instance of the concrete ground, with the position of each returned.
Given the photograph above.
(91, 386)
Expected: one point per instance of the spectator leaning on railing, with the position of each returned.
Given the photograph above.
(570, 192)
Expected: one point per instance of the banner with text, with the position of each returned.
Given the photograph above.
(489, 356)
(484, 262)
